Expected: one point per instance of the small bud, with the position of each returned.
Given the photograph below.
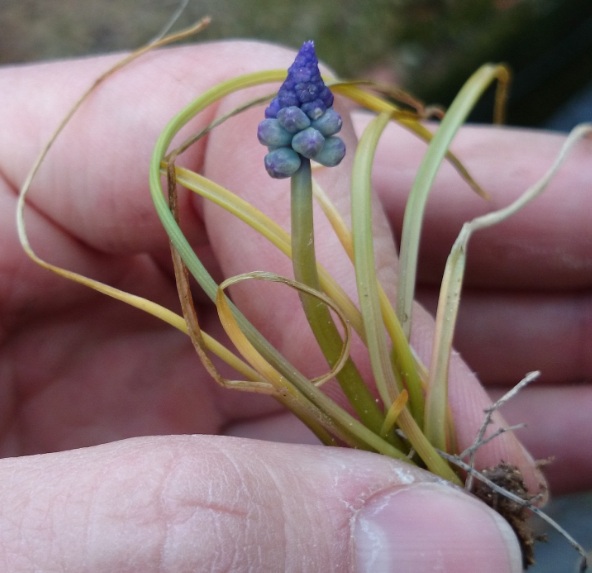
(329, 123)
(306, 91)
(282, 162)
(271, 133)
(293, 119)
(273, 108)
(332, 153)
(314, 109)
(308, 142)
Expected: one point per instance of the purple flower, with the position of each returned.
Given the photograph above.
(300, 121)
(303, 85)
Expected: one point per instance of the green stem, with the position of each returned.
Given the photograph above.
(364, 263)
(317, 313)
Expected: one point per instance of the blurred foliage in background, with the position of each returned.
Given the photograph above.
(428, 46)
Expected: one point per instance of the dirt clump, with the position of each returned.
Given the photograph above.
(509, 478)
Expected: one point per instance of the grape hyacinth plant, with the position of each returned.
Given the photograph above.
(402, 411)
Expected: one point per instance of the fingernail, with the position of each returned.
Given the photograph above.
(433, 527)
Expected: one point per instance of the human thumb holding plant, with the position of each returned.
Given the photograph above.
(86, 381)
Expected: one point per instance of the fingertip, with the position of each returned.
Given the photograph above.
(433, 527)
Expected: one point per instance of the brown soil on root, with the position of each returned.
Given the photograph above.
(509, 477)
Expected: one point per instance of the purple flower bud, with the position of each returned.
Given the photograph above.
(287, 98)
(272, 134)
(300, 121)
(293, 119)
(281, 163)
(332, 153)
(303, 85)
(306, 91)
(329, 123)
(314, 109)
(273, 108)
(308, 142)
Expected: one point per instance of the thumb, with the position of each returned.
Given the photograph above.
(203, 503)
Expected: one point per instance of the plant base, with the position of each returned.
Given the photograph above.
(509, 478)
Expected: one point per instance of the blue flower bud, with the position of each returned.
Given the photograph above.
(287, 98)
(332, 153)
(300, 121)
(329, 123)
(272, 134)
(306, 91)
(304, 85)
(282, 162)
(293, 119)
(308, 142)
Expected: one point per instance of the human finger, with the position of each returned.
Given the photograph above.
(504, 334)
(545, 246)
(89, 208)
(84, 192)
(557, 432)
(197, 503)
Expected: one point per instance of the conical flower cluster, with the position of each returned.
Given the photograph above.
(300, 121)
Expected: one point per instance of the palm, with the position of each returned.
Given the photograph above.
(98, 371)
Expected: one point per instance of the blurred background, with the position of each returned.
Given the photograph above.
(429, 47)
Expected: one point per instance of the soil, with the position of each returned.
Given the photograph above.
(516, 514)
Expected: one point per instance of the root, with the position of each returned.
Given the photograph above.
(502, 487)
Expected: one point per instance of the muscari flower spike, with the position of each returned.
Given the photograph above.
(300, 121)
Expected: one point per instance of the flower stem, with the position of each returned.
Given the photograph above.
(318, 315)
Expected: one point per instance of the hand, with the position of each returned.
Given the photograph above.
(81, 370)
(526, 304)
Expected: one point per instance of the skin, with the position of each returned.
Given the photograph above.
(526, 303)
(78, 370)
